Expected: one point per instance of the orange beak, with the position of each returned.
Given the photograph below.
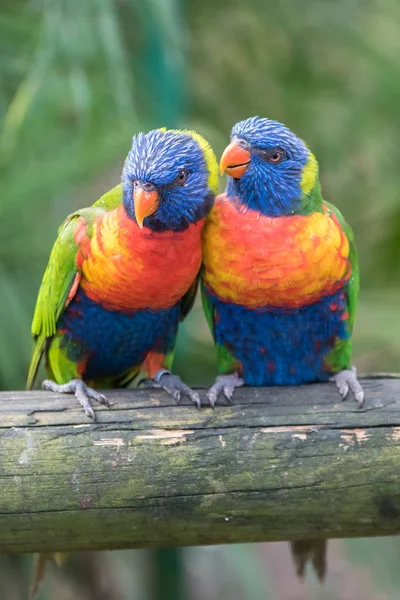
(146, 203)
(234, 160)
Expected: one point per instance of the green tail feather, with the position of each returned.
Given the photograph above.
(37, 353)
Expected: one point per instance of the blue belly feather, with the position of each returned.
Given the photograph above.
(114, 341)
(277, 346)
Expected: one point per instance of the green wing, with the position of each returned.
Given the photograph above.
(353, 285)
(111, 199)
(189, 298)
(57, 285)
(226, 362)
(340, 356)
(208, 309)
(60, 275)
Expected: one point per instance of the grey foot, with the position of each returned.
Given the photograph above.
(225, 384)
(173, 385)
(347, 379)
(83, 394)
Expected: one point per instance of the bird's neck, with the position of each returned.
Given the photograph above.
(273, 201)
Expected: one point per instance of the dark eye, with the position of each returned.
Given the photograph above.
(273, 155)
(181, 177)
(276, 156)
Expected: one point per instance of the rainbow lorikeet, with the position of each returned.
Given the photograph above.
(123, 273)
(280, 278)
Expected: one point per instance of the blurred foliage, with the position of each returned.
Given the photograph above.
(77, 79)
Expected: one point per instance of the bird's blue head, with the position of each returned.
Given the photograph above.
(169, 179)
(270, 169)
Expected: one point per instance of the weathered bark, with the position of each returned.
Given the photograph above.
(278, 464)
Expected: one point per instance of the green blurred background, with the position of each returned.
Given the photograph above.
(77, 79)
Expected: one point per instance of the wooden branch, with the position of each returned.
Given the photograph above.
(280, 463)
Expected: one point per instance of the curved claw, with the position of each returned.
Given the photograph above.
(83, 393)
(228, 393)
(347, 379)
(225, 384)
(174, 386)
(212, 398)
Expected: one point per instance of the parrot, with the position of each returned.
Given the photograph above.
(280, 277)
(123, 273)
